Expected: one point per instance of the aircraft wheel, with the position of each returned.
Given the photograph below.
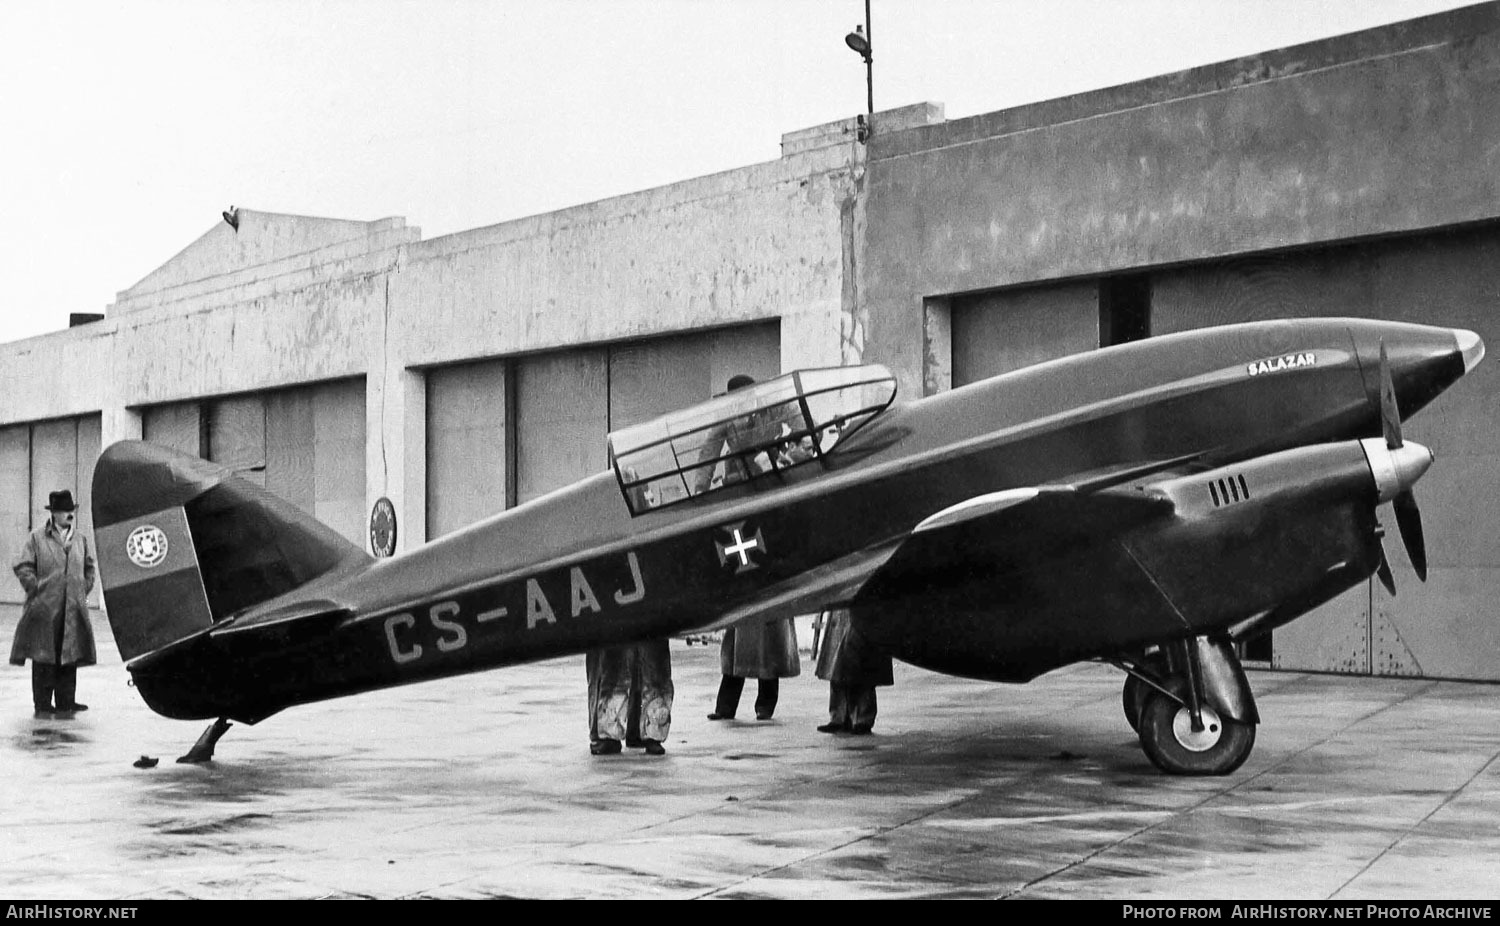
(1133, 698)
(1167, 736)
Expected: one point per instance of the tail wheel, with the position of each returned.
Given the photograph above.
(1171, 743)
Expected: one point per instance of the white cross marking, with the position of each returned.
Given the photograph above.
(741, 546)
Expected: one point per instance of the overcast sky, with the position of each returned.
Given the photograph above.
(129, 126)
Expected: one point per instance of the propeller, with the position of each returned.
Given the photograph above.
(1409, 523)
(1384, 571)
(1390, 415)
(1408, 517)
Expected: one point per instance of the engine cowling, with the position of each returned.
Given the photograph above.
(1259, 543)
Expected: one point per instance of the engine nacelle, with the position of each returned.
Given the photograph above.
(1265, 539)
(1271, 538)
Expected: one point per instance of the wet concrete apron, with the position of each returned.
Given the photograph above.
(484, 787)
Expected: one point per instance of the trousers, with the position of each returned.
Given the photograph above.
(48, 681)
(851, 705)
(732, 686)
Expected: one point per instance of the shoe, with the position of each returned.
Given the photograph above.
(632, 742)
(75, 706)
(759, 716)
(654, 748)
(864, 729)
(604, 747)
(42, 713)
(718, 716)
(832, 728)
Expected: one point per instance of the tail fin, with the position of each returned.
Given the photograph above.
(184, 543)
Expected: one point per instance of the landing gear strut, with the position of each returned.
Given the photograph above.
(1201, 719)
(203, 750)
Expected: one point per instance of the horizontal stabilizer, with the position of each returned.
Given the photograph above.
(314, 616)
(185, 544)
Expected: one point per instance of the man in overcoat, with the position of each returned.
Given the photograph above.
(56, 569)
(766, 652)
(852, 671)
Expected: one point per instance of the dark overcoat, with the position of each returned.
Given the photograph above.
(760, 650)
(843, 658)
(57, 578)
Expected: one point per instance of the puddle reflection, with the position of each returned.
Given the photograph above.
(49, 735)
(179, 784)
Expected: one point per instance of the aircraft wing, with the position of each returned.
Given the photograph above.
(812, 591)
(975, 533)
(1009, 531)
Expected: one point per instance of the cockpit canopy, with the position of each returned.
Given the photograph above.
(752, 433)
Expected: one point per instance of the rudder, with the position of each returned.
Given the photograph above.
(184, 543)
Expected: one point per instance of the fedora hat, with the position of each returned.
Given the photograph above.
(61, 500)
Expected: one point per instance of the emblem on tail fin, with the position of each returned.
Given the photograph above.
(146, 546)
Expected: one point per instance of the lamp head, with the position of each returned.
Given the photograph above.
(857, 41)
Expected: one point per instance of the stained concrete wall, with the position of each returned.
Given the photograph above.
(289, 300)
(1381, 132)
(1352, 176)
(752, 244)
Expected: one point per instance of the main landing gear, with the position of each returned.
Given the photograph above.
(1190, 703)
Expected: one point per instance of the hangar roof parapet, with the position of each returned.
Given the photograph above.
(844, 131)
(258, 239)
(1454, 26)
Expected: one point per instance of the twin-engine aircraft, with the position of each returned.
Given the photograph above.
(1151, 505)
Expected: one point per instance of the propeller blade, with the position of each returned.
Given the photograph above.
(1384, 571)
(1409, 521)
(1390, 415)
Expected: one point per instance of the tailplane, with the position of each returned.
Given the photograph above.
(184, 544)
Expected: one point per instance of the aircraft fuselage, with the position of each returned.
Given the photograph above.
(574, 570)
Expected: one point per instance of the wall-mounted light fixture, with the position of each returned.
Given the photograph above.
(859, 40)
(232, 217)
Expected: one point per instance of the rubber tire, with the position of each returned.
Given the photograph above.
(1132, 698)
(1236, 739)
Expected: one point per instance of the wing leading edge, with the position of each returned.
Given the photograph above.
(978, 533)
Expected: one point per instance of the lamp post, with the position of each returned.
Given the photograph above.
(859, 40)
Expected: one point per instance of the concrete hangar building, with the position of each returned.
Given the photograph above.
(339, 362)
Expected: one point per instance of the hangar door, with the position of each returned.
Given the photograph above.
(999, 332)
(1444, 627)
(35, 460)
(306, 444)
(503, 432)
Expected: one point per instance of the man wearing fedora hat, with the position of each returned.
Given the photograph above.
(56, 568)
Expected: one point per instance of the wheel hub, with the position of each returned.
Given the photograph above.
(1197, 740)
